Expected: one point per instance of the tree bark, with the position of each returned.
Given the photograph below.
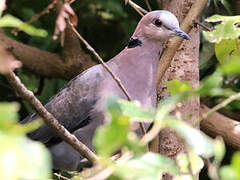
(184, 67)
(219, 125)
(45, 63)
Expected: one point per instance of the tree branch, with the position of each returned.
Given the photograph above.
(175, 42)
(48, 118)
(219, 125)
(45, 63)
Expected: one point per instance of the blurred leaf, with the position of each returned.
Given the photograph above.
(224, 49)
(175, 86)
(11, 21)
(196, 163)
(114, 134)
(8, 114)
(226, 29)
(2, 6)
(21, 158)
(205, 54)
(148, 166)
(233, 65)
(134, 110)
(227, 5)
(219, 150)
(227, 173)
(201, 143)
(211, 85)
(235, 163)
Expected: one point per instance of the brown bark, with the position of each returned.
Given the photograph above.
(184, 67)
(219, 125)
(45, 63)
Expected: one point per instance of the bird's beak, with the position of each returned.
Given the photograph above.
(179, 32)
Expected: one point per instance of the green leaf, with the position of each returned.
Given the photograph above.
(116, 133)
(201, 143)
(227, 173)
(196, 163)
(224, 50)
(211, 85)
(175, 86)
(21, 158)
(135, 111)
(227, 29)
(233, 65)
(219, 150)
(227, 5)
(8, 114)
(235, 163)
(149, 166)
(11, 21)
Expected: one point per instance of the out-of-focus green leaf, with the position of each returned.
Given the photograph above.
(175, 86)
(212, 84)
(224, 50)
(135, 111)
(11, 21)
(227, 173)
(21, 158)
(8, 115)
(219, 150)
(227, 5)
(196, 163)
(233, 65)
(227, 29)
(114, 134)
(201, 143)
(149, 166)
(235, 163)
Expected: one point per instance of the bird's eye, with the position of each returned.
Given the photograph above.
(158, 23)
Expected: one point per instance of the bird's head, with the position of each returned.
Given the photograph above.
(159, 25)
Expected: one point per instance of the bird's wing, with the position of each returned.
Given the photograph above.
(72, 105)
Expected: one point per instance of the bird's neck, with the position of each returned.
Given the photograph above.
(138, 65)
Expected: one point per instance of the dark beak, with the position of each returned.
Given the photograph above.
(179, 32)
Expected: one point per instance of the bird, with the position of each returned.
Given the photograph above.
(79, 105)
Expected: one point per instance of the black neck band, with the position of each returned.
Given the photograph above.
(134, 42)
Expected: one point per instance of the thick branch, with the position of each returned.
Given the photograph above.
(175, 43)
(45, 63)
(219, 125)
(48, 118)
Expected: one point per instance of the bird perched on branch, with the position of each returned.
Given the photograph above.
(79, 106)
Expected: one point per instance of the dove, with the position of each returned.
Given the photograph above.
(79, 106)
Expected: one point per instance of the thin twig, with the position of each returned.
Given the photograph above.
(61, 176)
(48, 118)
(37, 16)
(219, 106)
(136, 7)
(196, 21)
(118, 81)
(148, 5)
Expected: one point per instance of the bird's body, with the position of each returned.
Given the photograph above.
(79, 106)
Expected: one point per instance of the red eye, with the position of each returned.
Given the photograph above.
(158, 23)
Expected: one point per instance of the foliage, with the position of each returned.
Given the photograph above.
(20, 158)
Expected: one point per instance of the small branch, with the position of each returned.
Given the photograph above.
(217, 124)
(61, 176)
(219, 106)
(136, 7)
(48, 118)
(148, 5)
(196, 21)
(175, 43)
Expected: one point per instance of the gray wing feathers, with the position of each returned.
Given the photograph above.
(72, 105)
